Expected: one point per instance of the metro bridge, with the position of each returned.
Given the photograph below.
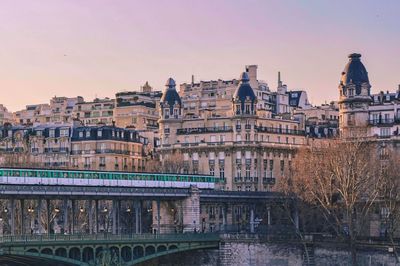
(81, 215)
(99, 249)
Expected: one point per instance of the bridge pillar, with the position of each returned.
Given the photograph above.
(48, 216)
(73, 216)
(22, 216)
(223, 217)
(96, 215)
(65, 213)
(39, 214)
(252, 219)
(191, 211)
(115, 214)
(12, 207)
(163, 216)
(138, 217)
(90, 214)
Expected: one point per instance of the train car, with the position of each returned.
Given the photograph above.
(103, 178)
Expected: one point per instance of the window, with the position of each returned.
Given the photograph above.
(52, 133)
(212, 170)
(99, 133)
(64, 132)
(81, 134)
(385, 132)
(221, 172)
(88, 134)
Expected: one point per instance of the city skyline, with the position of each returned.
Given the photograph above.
(69, 48)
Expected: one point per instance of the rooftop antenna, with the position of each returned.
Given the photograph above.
(192, 79)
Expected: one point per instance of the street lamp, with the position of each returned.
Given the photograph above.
(81, 209)
(56, 209)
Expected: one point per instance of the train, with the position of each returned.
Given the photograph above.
(26, 176)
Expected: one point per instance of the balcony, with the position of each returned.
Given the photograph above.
(238, 179)
(238, 127)
(383, 121)
(269, 180)
(281, 131)
(247, 127)
(202, 130)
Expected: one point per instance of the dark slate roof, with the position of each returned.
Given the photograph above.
(170, 96)
(294, 101)
(119, 134)
(354, 72)
(244, 89)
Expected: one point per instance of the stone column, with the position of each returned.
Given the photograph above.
(269, 215)
(191, 211)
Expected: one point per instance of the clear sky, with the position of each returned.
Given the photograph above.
(97, 47)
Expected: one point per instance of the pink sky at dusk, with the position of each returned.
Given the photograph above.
(97, 48)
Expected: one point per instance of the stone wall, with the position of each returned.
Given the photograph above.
(254, 253)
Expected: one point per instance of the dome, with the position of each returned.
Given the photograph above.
(244, 90)
(170, 96)
(354, 72)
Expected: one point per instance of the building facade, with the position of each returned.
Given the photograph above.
(246, 146)
(75, 147)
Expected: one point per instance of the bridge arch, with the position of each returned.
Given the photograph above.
(126, 253)
(33, 250)
(138, 252)
(150, 250)
(61, 252)
(75, 254)
(47, 251)
(161, 248)
(87, 254)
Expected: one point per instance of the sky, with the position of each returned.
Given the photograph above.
(95, 48)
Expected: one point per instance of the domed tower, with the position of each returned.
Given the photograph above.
(244, 100)
(170, 113)
(170, 102)
(355, 97)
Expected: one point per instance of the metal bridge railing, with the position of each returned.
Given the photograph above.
(189, 237)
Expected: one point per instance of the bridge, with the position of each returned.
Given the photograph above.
(99, 249)
(87, 218)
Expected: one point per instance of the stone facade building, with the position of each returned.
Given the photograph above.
(247, 147)
(76, 147)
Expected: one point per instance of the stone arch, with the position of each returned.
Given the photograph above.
(171, 247)
(126, 253)
(47, 251)
(33, 250)
(87, 254)
(150, 250)
(61, 252)
(161, 248)
(138, 252)
(75, 254)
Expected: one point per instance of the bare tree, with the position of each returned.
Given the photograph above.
(341, 179)
(170, 163)
(389, 192)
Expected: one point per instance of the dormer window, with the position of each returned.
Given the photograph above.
(81, 134)
(100, 133)
(247, 109)
(88, 134)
